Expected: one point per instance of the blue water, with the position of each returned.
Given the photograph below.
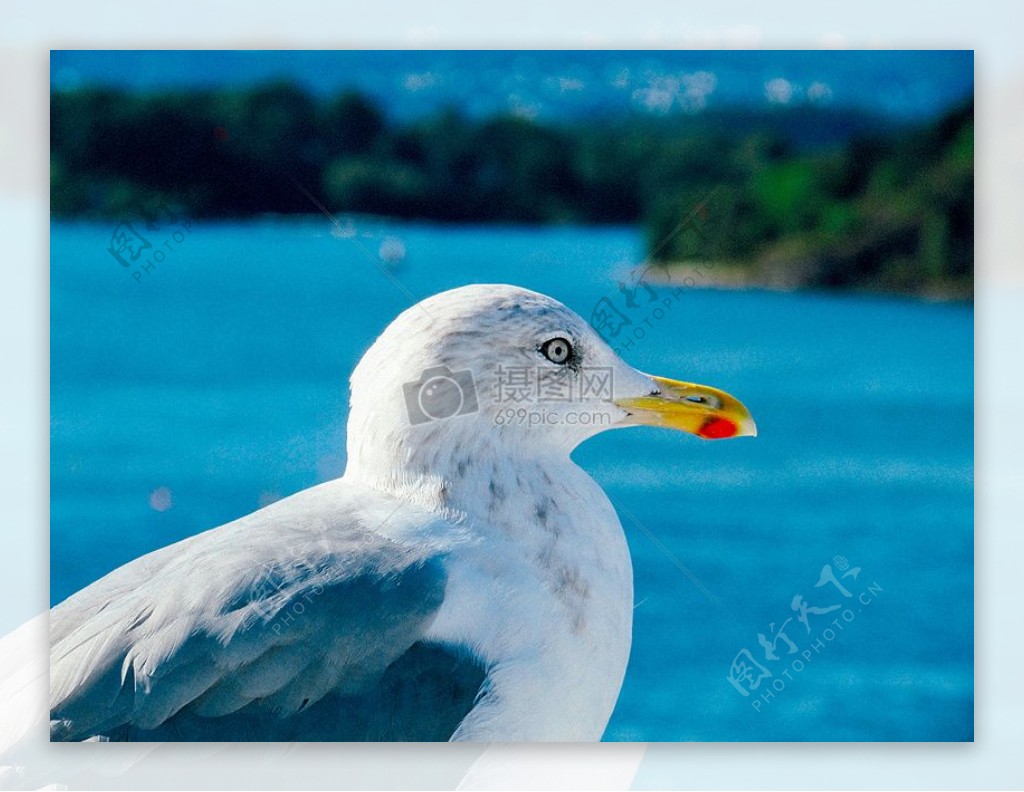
(217, 382)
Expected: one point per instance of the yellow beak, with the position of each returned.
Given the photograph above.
(702, 411)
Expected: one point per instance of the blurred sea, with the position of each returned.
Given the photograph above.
(217, 382)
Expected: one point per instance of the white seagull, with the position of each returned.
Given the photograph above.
(464, 579)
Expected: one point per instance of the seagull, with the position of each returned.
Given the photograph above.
(463, 580)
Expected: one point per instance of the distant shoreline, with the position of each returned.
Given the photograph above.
(740, 277)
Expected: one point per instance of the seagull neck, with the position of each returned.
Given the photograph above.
(466, 473)
(479, 487)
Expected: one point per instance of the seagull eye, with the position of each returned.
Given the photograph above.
(557, 350)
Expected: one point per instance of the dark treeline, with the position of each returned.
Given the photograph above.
(796, 196)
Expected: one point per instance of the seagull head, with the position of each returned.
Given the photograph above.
(516, 370)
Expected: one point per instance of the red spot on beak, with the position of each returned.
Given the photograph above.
(717, 429)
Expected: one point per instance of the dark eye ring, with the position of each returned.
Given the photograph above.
(557, 350)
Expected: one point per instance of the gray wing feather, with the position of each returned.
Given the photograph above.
(268, 615)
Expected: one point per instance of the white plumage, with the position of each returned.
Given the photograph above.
(464, 579)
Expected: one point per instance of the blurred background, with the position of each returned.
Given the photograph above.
(824, 169)
(231, 230)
